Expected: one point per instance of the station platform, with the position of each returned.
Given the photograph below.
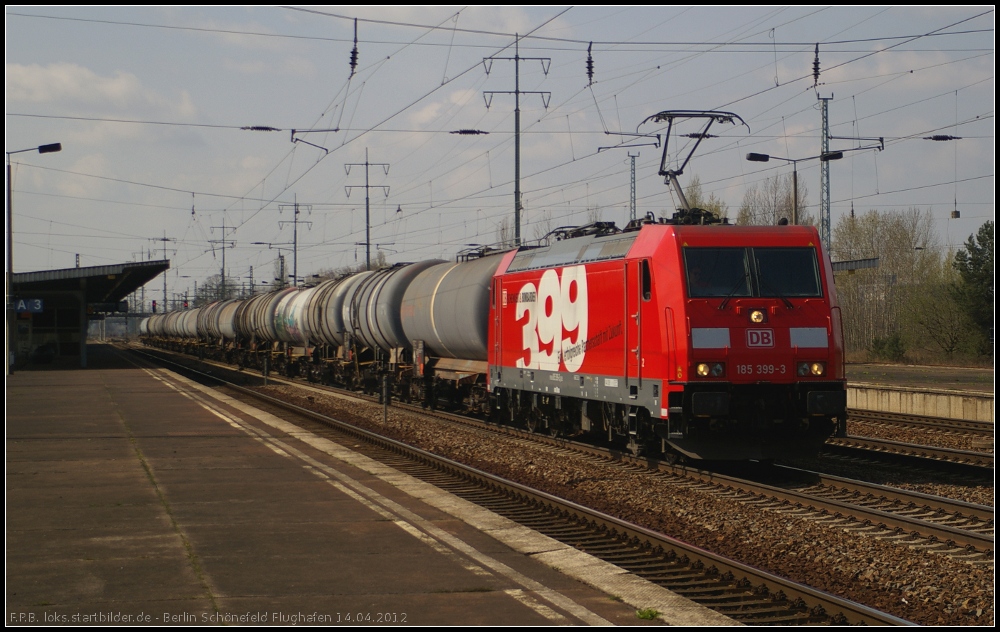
(135, 496)
(931, 391)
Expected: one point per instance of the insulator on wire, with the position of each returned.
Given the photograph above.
(590, 65)
(354, 53)
(816, 67)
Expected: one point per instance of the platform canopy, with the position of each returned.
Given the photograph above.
(100, 284)
(49, 310)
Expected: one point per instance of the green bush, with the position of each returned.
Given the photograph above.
(647, 614)
(890, 348)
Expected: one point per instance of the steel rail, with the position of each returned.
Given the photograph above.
(922, 421)
(944, 455)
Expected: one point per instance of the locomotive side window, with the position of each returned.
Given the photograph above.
(784, 272)
(647, 281)
(717, 272)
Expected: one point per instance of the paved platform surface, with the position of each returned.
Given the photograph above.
(972, 379)
(135, 496)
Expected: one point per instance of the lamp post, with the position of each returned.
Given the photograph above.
(831, 155)
(11, 315)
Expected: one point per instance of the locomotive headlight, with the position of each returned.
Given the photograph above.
(711, 369)
(811, 368)
(757, 316)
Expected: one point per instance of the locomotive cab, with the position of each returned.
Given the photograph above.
(763, 373)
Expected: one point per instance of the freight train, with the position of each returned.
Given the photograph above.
(681, 336)
(685, 336)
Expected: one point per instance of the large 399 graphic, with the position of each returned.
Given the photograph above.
(553, 320)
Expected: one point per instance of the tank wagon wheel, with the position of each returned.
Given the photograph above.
(673, 457)
(531, 422)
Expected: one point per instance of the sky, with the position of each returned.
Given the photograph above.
(193, 132)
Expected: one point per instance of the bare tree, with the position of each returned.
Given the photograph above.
(543, 226)
(378, 261)
(771, 201)
(505, 233)
(696, 199)
(210, 290)
(280, 276)
(874, 300)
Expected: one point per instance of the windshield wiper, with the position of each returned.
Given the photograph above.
(768, 288)
(744, 281)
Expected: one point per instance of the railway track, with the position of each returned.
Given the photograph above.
(744, 593)
(932, 456)
(959, 530)
(966, 530)
(954, 528)
(940, 424)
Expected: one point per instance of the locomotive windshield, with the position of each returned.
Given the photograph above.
(761, 272)
(717, 272)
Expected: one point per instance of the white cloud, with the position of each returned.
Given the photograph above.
(447, 104)
(254, 67)
(70, 85)
(256, 164)
(426, 114)
(93, 164)
(66, 81)
(293, 65)
(298, 66)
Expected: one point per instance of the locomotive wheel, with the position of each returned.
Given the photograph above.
(635, 446)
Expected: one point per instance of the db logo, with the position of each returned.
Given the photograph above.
(760, 337)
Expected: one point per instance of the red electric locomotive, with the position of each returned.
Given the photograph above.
(714, 341)
(687, 335)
